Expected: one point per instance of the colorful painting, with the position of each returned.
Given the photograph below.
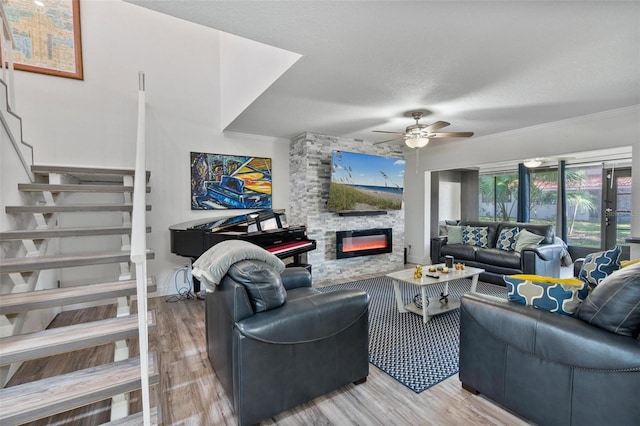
(46, 34)
(229, 182)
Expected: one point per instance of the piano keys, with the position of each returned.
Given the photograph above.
(266, 228)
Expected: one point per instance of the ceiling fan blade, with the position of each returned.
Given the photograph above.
(388, 140)
(437, 125)
(383, 131)
(451, 135)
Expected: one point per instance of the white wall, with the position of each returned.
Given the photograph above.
(449, 200)
(93, 122)
(610, 129)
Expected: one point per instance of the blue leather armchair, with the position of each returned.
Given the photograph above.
(272, 356)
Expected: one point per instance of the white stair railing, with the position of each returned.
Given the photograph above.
(139, 249)
(6, 63)
(7, 50)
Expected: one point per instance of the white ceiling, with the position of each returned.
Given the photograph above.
(486, 67)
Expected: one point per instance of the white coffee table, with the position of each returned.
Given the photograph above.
(435, 305)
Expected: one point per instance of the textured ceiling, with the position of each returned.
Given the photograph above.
(486, 67)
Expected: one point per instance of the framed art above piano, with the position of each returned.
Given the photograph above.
(220, 181)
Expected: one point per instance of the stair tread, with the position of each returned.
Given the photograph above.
(53, 341)
(136, 419)
(33, 187)
(28, 234)
(27, 301)
(43, 169)
(44, 398)
(71, 208)
(36, 263)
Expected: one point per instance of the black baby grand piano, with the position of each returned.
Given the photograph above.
(266, 228)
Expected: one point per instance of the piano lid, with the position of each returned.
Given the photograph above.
(248, 222)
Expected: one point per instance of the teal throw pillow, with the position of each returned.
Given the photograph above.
(526, 239)
(454, 234)
(598, 266)
(475, 236)
(507, 239)
(561, 296)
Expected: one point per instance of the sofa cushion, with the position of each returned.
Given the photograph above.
(475, 236)
(526, 239)
(614, 304)
(454, 234)
(492, 228)
(558, 295)
(460, 252)
(507, 238)
(625, 263)
(597, 266)
(262, 283)
(498, 257)
(546, 231)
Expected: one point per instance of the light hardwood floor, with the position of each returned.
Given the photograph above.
(191, 395)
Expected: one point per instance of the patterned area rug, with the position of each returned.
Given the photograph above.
(417, 355)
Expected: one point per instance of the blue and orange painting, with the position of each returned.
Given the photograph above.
(365, 182)
(229, 182)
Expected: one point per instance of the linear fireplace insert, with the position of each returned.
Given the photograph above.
(363, 242)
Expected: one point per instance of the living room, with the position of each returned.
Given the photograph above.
(200, 100)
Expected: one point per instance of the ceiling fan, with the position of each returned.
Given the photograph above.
(418, 135)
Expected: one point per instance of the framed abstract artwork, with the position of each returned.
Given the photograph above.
(221, 181)
(46, 34)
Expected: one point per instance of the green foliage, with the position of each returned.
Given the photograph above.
(344, 197)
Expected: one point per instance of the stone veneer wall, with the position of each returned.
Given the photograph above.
(310, 175)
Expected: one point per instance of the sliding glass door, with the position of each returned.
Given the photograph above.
(616, 223)
(598, 203)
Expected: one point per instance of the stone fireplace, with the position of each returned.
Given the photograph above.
(310, 175)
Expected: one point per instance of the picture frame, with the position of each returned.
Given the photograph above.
(47, 36)
(220, 181)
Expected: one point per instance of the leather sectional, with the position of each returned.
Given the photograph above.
(542, 260)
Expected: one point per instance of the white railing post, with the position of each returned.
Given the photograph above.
(7, 46)
(139, 249)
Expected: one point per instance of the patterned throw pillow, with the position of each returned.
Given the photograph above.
(507, 239)
(475, 236)
(597, 266)
(559, 295)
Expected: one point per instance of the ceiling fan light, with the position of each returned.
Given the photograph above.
(416, 142)
(532, 163)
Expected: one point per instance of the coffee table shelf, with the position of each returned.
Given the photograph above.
(434, 306)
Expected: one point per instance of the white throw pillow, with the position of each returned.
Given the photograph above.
(526, 239)
(454, 234)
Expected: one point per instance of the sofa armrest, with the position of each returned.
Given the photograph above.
(543, 260)
(559, 338)
(436, 245)
(295, 277)
(308, 319)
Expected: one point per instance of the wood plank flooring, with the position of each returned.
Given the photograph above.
(191, 395)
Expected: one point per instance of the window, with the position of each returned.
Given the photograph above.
(498, 197)
(584, 198)
(543, 198)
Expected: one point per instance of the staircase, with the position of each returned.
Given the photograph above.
(46, 269)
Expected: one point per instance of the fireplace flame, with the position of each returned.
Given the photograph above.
(370, 242)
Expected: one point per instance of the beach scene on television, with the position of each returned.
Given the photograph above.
(365, 182)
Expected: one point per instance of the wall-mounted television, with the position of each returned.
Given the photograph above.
(365, 182)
